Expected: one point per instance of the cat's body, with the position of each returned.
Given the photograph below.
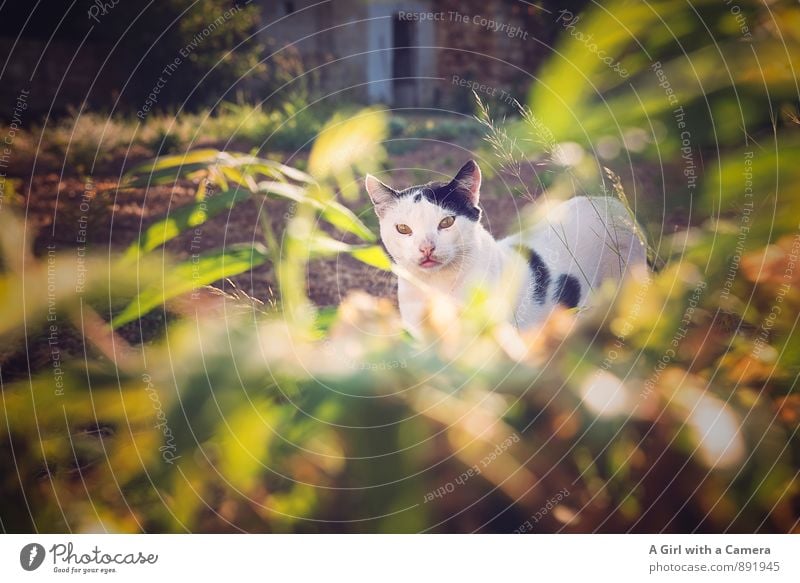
(434, 232)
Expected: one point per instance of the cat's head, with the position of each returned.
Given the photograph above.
(430, 227)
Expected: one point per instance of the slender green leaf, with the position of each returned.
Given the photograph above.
(346, 142)
(373, 255)
(323, 246)
(271, 168)
(185, 217)
(242, 178)
(335, 213)
(160, 177)
(189, 275)
(179, 161)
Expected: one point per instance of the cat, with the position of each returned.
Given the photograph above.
(434, 233)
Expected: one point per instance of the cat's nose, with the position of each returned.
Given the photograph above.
(427, 247)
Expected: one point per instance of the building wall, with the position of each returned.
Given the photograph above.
(349, 46)
(383, 86)
(502, 60)
(330, 39)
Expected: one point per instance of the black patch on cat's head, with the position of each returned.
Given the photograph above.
(568, 291)
(450, 197)
(459, 196)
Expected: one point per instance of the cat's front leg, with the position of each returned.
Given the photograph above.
(412, 307)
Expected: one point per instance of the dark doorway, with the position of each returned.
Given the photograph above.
(404, 64)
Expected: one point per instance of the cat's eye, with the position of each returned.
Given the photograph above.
(447, 222)
(403, 229)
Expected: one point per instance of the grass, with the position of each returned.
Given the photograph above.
(86, 140)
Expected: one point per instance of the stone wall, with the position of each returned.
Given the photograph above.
(490, 43)
(327, 39)
(494, 45)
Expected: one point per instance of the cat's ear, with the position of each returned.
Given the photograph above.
(468, 180)
(382, 196)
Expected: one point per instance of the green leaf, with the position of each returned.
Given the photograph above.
(237, 167)
(253, 165)
(186, 217)
(186, 277)
(244, 442)
(373, 255)
(765, 173)
(346, 142)
(343, 218)
(323, 246)
(199, 158)
(335, 213)
(164, 176)
(284, 190)
(325, 317)
(242, 178)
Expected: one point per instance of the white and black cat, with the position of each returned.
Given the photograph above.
(434, 232)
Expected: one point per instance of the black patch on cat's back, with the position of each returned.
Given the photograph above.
(568, 291)
(541, 277)
(449, 197)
